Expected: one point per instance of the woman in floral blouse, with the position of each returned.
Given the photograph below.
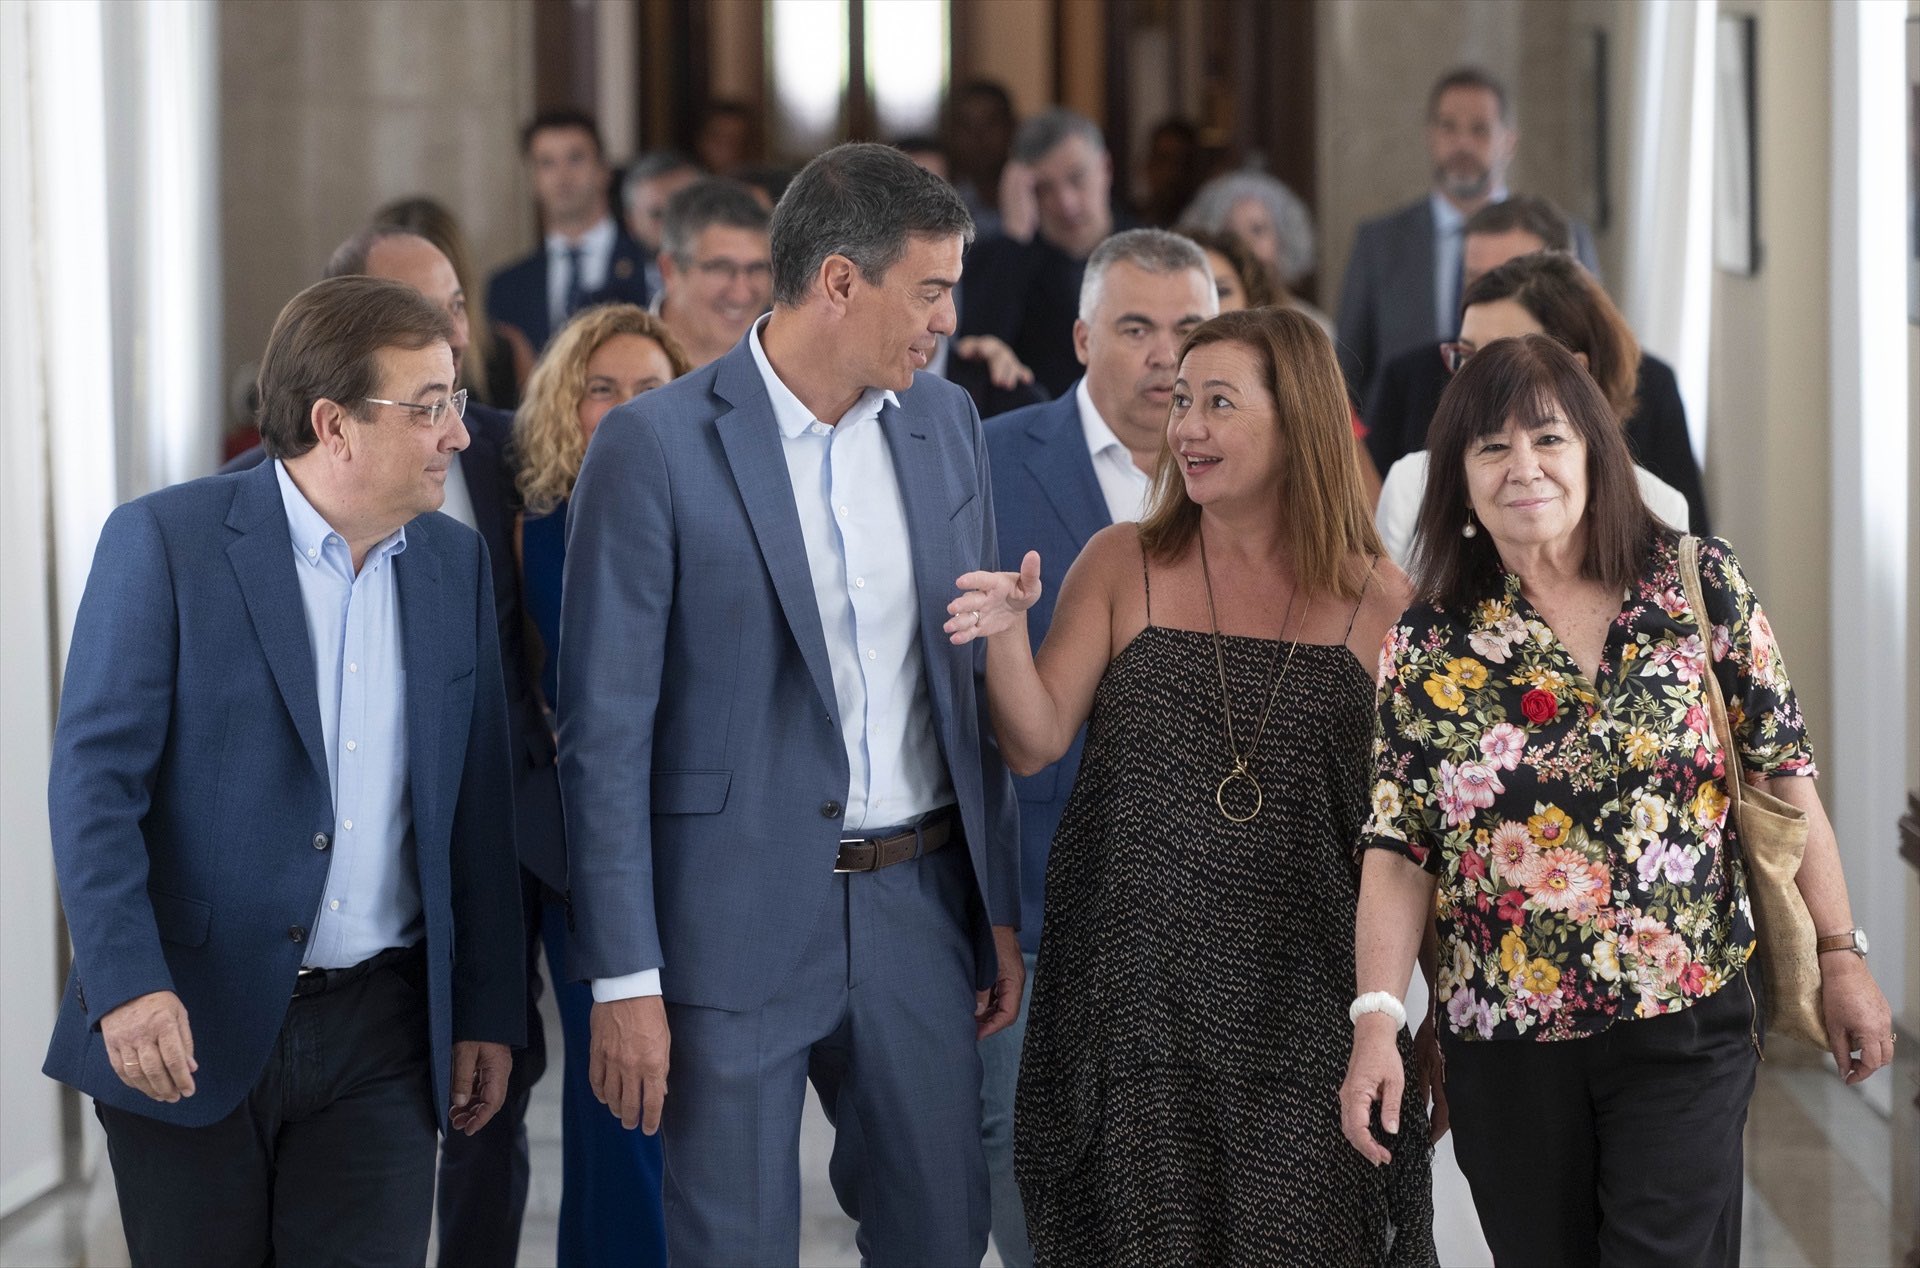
(1548, 786)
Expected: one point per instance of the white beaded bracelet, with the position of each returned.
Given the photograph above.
(1378, 1002)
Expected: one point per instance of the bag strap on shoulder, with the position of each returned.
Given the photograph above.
(1716, 702)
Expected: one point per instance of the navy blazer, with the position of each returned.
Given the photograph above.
(190, 802)
(1387, 301)
(1046, 498)
(487, 467)
(701, 758)
(517, 293)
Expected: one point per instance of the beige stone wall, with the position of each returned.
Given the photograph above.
(1378, 58)
(328, 110)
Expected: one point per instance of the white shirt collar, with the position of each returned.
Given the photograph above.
(595, 242)
(789, 414)
(1100, 437)
(310, 532)
(1449, 218)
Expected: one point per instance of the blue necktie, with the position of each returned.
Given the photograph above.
(1451, 327)
(576, 284)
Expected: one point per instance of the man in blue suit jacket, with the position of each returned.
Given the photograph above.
(282, 817)
(794, 847)
(586, 256)
(1402, 287)
(1062, 471)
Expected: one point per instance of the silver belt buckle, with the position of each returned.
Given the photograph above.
(849, 871)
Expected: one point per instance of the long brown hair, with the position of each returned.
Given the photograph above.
(1323, 511)
(1573, 308)
(1532, 380)
(547, 441)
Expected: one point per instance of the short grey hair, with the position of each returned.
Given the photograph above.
(349, 259)
(703, 204)
(1150, 250)
(863, 201)
(650, 167)
(1292, 222)
(1037, 137)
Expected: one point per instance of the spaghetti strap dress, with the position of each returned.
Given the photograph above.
(1188, 1033)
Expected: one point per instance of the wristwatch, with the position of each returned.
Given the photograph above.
(1854, 940)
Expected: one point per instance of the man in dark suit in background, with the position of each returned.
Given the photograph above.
(1402, 287)
(282, 820)
(585, 257)
(1023, 284)
(793, 840)
(1063, 471)
(482, 1194)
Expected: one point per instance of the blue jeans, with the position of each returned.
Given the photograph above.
(999, 1073)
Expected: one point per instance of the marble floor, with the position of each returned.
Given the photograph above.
(1809, 1201)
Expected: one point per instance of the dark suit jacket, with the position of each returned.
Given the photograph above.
(517, 293)
(701, 754)
(1408, 393)
(487, 468)
(1387, 301)
(190, 801)
(1027, 294)
(989, 400)
(1046, 498)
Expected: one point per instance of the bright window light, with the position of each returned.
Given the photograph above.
(906, 63)
(807, 46)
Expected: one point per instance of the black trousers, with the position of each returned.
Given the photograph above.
(328, 1161)
(1622, 1149)
(483, 1178)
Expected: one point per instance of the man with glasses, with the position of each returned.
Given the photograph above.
(282, 816)
(716, 267)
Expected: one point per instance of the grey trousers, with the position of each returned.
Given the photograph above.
(878, 1013)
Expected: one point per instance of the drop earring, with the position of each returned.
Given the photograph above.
(1469, 529)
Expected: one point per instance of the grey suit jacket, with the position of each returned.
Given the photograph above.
(701, 760)
(1387, 302)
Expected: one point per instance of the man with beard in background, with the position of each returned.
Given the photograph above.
(1402, 287)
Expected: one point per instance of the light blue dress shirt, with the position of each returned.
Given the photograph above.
(1449, 258)
(372, 897)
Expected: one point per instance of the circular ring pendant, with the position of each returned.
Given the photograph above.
(1239, 774)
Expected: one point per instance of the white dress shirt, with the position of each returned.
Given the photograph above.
(854, 524)
(372, 896)
(1124, 485)
(596, 258)
(1406, 485)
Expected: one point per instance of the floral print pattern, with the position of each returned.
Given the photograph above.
(1579, 829)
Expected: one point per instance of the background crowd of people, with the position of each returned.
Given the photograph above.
(1057, 882)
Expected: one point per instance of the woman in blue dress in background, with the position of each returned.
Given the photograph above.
(610, 1200)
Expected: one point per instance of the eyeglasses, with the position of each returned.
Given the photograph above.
(1456, 354)
(428, 415)
(731, 271)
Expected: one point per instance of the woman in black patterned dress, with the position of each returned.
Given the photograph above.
(1189, 1028)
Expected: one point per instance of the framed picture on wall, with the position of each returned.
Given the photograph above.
(1736, 209)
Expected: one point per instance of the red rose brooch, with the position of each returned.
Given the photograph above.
(1539, 706)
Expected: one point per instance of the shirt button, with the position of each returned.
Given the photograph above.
(320, 841)
(843, 512)
(860, 583)
(334, 905)
(351, 746)
(831, 810)
(347, 824)
(353, 667)
(312, 553)
(296, 934)
(872, 654)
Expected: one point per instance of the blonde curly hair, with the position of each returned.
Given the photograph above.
(548, 442)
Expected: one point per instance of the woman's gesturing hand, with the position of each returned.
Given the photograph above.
(992, 602)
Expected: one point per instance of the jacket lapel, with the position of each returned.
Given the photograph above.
(1060, 465)
(926, 498)
(416, 577)
(262, 559)
(751, 440)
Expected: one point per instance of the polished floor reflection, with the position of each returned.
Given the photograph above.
(1818, 1190)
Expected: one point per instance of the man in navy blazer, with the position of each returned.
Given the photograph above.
(586, 256)
(1062, 471)
(794, 847)
(282, 817)
(1402, 287)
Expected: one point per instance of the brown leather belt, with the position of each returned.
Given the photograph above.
(870, 854)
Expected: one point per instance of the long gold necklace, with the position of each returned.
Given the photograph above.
(1239, 771)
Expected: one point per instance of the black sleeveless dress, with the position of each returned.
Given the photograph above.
(1188, 1032)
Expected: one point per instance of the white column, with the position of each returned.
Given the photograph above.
(1869, 439)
